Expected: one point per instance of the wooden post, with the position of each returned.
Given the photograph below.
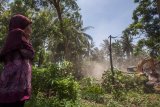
(111, 62)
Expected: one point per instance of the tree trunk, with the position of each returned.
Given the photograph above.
(57, 6)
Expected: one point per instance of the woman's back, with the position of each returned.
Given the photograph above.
(16, 54)
(15, 81)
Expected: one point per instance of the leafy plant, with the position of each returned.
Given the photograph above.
(55, 80)
(123, 83)
(91, 90)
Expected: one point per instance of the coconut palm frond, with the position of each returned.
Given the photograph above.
(87, 28)
(88, 36)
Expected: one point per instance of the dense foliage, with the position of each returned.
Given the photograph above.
(58, 32)
(146, 24)
(53, 87)
(64, 51)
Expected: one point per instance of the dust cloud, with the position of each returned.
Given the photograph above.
(95, 69)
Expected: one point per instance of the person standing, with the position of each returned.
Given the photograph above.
(16, 56)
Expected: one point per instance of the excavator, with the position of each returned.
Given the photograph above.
(150, 67)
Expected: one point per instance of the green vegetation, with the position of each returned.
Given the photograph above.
(64, 51)
(64, 91)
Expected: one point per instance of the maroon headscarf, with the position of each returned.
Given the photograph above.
(19, 21)
(16, 38)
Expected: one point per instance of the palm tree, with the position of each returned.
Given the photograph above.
(98, 55)
(105, 48)
(105, 45)
(62, 8)
(127, 44)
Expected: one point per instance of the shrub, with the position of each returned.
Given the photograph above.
(123, 83)
(55, 80)
(42, 101)
(66, 88)
(91, 90)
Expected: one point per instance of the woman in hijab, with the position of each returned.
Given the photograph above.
(16, 55)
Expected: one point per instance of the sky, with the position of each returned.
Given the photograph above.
(108, 17)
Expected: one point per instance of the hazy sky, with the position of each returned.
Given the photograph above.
(108, 17)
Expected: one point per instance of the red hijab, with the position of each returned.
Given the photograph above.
(16, 38)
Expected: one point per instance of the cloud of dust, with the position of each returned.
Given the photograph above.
(123, 64)
(94, 69)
